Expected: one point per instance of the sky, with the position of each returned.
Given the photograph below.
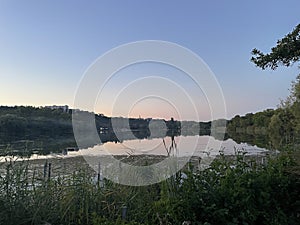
(47, 47)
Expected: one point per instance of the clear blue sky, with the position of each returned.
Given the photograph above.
(45, 46)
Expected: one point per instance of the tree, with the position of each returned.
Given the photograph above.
(282, 127)
(286, 122)
(286, 52)
(295, 99)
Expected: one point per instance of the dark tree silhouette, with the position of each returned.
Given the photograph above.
(286, 52)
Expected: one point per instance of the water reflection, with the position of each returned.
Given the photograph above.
(132, 142)
(179, 146)
(172, 148)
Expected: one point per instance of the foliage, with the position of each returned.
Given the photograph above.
(55, 125)
(292, 104)
(252, 123)
(282, 127)
(252, 128)
(230, 191)
(20, 121)
(286, 52)
(284, 124)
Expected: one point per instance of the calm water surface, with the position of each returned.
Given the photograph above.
(180, 146)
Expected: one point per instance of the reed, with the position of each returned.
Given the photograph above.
(221, 194)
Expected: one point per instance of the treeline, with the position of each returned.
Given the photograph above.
(29, 122)
(269, 128)
(278, 128)
(252, 128)
(51, 130)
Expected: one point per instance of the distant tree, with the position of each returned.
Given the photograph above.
(286, 52)
(282, 127)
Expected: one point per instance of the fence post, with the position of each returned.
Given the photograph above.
(99, 176)
(49, 171)
(124, 212)
(45, 169)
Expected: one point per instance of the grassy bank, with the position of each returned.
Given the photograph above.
(229, 192)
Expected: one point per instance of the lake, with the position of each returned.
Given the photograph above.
(124, 159)
(179, 146)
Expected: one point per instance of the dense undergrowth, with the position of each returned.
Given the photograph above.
(229, 192)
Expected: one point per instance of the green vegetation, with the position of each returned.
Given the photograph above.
(280, 127)
(286, 121)
(43, 130)
(229, 192)
(286, 52)
(20, 121)
(24, 130)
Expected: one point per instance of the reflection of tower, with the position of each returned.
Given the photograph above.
(172, 148)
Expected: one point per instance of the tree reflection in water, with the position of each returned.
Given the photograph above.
(172, 148)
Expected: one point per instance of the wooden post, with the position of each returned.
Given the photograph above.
(45, 169)
(124, 212)
(49, 171)
(99, 176)
(99, 171)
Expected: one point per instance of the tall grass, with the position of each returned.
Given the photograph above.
(228, 192)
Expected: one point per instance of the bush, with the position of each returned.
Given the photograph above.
(231, 191)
